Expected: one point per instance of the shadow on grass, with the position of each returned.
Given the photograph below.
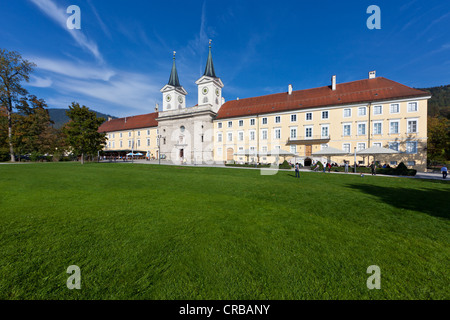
(429, 201)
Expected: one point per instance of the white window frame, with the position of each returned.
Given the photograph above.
(390, 108)
(390, 126)
(408, 142)
(358, 146)
(264, 134)
(349, 112)
(373, 127)
(252, 122)
(391, 143)
(410, 103)
(343, 130)
(219, 137)
(328, 115)
(230, 124)
(306, 132)
(328, 130)
(290, 133)
(349, 147)
(264, 120)
(277, 133)
(252, 135)
(365, 129)
(241, 123)
(293, 118)
(375, 108)
(240, 135)
(228, 136)
(219, 125)
(359, 111)
(277, 119)
(407, 125)
(306, 116)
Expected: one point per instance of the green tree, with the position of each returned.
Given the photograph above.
(13, 70)
(81, 131)
(438, 144)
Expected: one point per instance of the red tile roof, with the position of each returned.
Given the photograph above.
(127, 123)
(377, 89)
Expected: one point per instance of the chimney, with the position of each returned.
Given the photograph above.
(290, 89)
(156, 107)
(109, 118)
(333, 82)
(125, 119)
(372, 74)
(237, 98)
(223, 100)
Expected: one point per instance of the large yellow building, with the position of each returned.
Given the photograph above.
(360, 114)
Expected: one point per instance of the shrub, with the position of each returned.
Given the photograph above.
(4, 155)
(285, 165)
(401, 169)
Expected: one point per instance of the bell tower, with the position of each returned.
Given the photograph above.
(210, 86)
(174, 95)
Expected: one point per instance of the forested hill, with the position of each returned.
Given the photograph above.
(59, 116)
(439, 104)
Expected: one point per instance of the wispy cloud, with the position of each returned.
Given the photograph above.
(58, 14)
(100, 21)
(39, 82)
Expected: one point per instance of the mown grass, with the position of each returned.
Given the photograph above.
(167, 232)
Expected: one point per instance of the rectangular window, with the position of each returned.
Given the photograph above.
(241, 123)
(361, 111)
(120, 134)
(114, 145)
(395, 108)
(393, 146)
(347, 113)
(361, 146)
(324, 114)
(411, 147)
(148, 132)
(230, 136)
(113, 135)
(252, 122)
(411, 163)
(308, 132)
(277, 133)
(293, 117)
(293, 148)
(393, 127)
(230, 124)
(377, 128)
(378, 110)
(293, 133)
(129, 143)
(309, 116)
(323, 146)
(412, 106)
(252, 135)
(129, 133)
(139, 133)
(393, 163)
(219, 137)
(347, 130)
(264, 120)
(376, 144)
(138, 142)
(148, 142)
(412, 126)
(277, 119)
(120, 143)
(264, 134)
(264, 149)
(361, 129)
(241, 136)
(324, 131)
(219, 125)
(346, 147)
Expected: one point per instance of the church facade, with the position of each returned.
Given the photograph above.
(350, 116)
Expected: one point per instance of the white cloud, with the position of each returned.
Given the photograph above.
(59, 15)
(40, 82)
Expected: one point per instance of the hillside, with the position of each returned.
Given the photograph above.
(59, 116)
(439, 104)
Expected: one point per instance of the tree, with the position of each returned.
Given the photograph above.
(438, 144)
(13, 70)
(82, 131)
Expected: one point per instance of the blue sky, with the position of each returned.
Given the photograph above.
(122, 56)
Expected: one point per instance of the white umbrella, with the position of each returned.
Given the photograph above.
(373, 151)
(330, 151)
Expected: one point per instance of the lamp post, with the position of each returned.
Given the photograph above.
(355, 159)
(159, 148)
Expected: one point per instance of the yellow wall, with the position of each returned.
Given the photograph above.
(335, 122)
(139, 136)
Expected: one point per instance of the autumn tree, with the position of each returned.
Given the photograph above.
(13, 70)
(438, 144)
(81, 131)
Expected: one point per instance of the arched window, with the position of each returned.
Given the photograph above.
(205, 100)
(168, 106)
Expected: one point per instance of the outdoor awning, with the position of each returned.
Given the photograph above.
(376, 150)
(330, 151)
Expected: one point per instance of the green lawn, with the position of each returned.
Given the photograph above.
(166, 232)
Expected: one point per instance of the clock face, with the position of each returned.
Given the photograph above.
(168, 97)
(180, 99)
(205, 90)
(217, 92)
